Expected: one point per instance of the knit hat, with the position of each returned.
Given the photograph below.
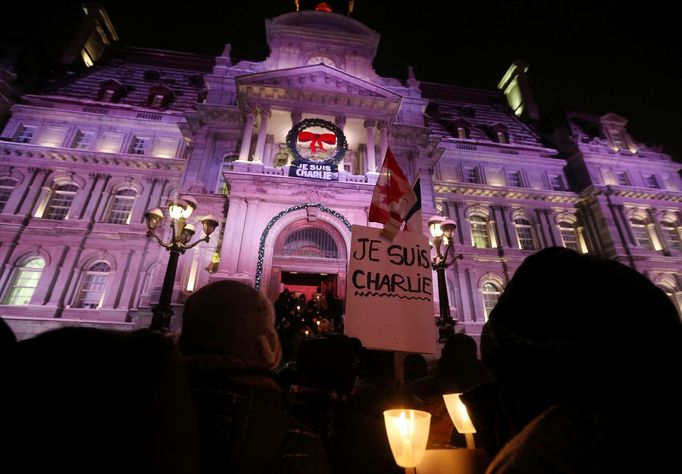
(230, 318)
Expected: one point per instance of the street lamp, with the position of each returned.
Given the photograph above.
(182, 232)
(443, 231)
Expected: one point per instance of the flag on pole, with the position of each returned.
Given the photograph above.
(413, 219)
(393, 196)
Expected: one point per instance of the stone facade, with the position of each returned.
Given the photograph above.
(82, 160)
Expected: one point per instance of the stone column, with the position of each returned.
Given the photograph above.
(296, 116)
(553, 229)
(383, 142)
(508, 232)
(371, 152)
(16, 199)
(655, 232)
(265, 114)
(232, 236)
(540, 231)
(246, 138)
(36, 193)
(620, 211)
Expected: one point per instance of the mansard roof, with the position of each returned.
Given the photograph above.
(139, 71)
(482, 110)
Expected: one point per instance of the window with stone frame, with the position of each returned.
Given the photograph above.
(24, 282)
(472, 175)
(525, 234)
(93, 286)
(83, 140)
(139, 145)
(623, 179)
(671, 234)
(569, 235)
(6, 187)
(556, 182)
(60, 202)
(25, 134)
(651, 181)
(514, 179)
(640, 232)
(480, 231)
(121, 207)
(490, 292)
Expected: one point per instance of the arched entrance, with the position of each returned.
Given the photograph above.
(309, 257)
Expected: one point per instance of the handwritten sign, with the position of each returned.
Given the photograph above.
(390, 291)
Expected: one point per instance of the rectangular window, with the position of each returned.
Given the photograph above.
(83, 140)
(122, 207)
(139, 145)
(25, 134)
(6, 188)
(651, 181)
(556, 182)
(514, 179)
(672, 236)
(623, 178)
(472, 175)
(479, 232)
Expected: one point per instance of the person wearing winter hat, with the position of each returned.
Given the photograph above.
(231, 348)
(586, 353)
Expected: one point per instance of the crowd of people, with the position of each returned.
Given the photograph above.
(577, 373)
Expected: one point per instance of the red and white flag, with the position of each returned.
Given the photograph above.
(393, 196)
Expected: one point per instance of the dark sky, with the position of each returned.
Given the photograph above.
(608, 56)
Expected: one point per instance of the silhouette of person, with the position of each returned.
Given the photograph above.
(231, 348)
(587, 353)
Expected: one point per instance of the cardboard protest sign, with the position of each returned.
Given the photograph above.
(389, 297)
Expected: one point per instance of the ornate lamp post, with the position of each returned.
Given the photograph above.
(443, 230)
(182, 232)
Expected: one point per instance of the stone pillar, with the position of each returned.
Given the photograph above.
(265, 114)
(246, 138)
(383, 142)
(553, 229)
(508, 231)
(620, 212)
(540, 231)
(296, 116)
(656, 233)
(90, 212)
(371, 152)
(16, 199)
(36, 192)
(232, 237)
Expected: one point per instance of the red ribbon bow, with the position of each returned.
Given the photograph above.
(317, 140)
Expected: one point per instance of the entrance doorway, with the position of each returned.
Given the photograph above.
(309, 284)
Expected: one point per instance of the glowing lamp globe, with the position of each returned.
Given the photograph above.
(435, 226)
(408, 432)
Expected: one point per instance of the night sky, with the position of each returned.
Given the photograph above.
(605, 56)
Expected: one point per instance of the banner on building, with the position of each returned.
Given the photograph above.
(329, 172)
(389, 296)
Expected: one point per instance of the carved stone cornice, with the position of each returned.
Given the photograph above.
(12, 151)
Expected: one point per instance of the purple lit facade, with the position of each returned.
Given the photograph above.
(81, 161)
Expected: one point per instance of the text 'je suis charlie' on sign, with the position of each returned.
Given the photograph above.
(390, 291)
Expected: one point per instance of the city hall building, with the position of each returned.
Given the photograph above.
(285, 153)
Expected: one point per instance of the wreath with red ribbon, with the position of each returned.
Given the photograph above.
(317, 141)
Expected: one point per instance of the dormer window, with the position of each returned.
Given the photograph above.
(110, 91)
(159, 97)
(500, 133)
(461, 128)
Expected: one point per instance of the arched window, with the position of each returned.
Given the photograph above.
(480, 235)
(310, 242)
(490, 292)
(569, 235)
(6, 188)
(24, 282)
(60, 202)
(525, 234)
(121, 208)
(640, 232)
(670, 233)
(93, 284)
